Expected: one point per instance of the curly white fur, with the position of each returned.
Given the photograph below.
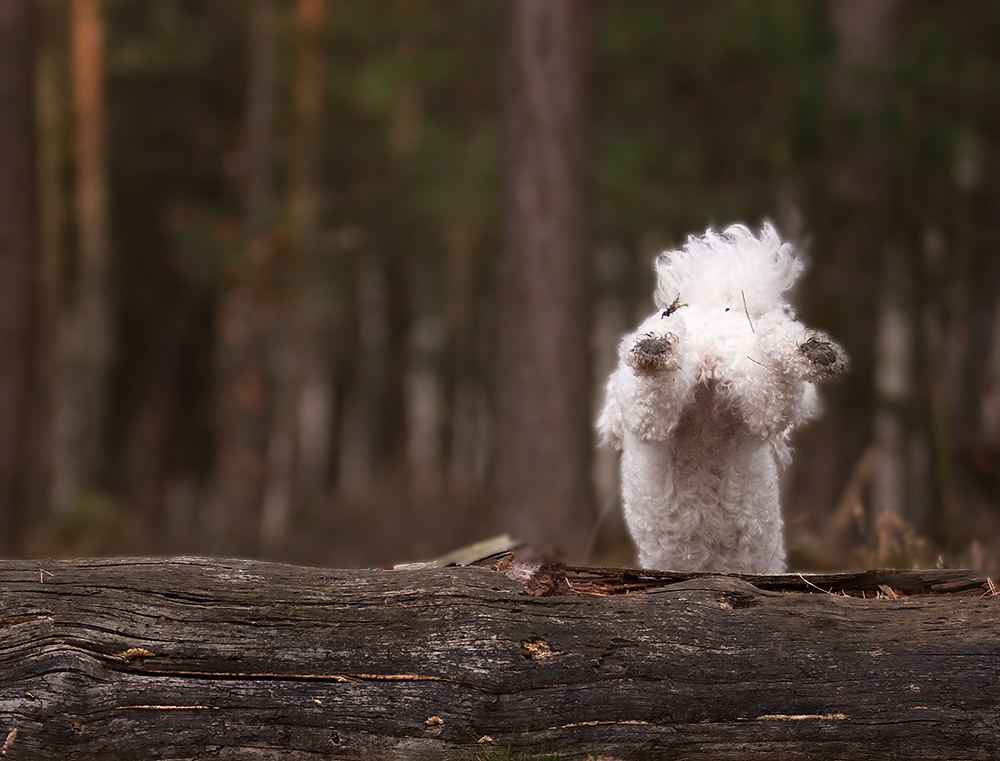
(705, 395)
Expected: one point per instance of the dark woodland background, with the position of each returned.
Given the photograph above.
(340, 282)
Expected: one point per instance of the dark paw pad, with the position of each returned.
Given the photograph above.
(651, 353)
(826, 358)
(653, 347)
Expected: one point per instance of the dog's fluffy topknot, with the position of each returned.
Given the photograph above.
(723, 268)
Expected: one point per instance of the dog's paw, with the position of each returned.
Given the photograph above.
(652, 352)
(820, 358)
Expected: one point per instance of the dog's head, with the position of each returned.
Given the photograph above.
(731, 271)
(724, 322)
(725, 293)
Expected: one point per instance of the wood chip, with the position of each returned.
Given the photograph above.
(11, 736)
(135, 652)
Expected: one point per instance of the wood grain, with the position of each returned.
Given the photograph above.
(196, 658)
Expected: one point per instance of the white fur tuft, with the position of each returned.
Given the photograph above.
(722, 268)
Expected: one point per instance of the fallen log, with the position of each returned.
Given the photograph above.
(192, 658)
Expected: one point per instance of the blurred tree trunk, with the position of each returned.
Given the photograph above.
(245, 318)
(88, 326)
(300, 430)
(18, 262)
(460, 377)
(345, 330)
(52, 93)
(973, 394)
(389, 366)
(541, 477)
(152, 454)
(852, 266)
(314, 402)
(392, 367)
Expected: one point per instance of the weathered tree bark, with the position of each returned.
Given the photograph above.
(18, 262)
(192, 658)
(541, 382)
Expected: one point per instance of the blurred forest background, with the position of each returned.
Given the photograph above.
(340, 281)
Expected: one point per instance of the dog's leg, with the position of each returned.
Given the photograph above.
(800, 353)
(646, 360)
(651, 386)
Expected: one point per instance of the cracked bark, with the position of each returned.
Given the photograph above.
(192, 658)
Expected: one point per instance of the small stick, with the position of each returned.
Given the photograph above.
(824, 591)
(888, 591)
(747, 311)
(767, 367)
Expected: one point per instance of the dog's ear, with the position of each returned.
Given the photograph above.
(609, 424)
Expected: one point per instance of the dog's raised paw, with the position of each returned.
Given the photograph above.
(652, 352)
(825, 358)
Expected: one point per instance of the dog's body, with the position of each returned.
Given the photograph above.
(706, 393)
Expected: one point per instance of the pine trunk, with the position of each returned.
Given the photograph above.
(541, 379)
(89, 326)
(18, 263)
(245, 320)
(300, 429)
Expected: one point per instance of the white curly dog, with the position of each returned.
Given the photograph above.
(705, 395)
